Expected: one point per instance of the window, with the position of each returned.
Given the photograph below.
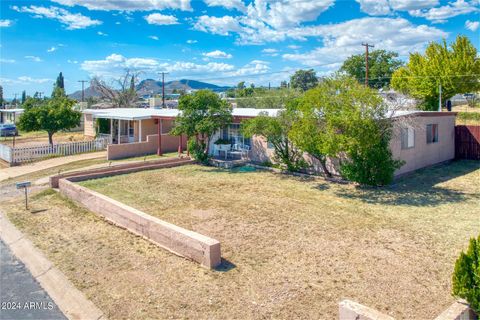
(408, 138)
(432, 133)
(233, 133)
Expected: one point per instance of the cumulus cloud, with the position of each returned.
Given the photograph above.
(222, 26)
(154, 37)
(342, 40)
(34, 58)
(52, 49)
(228, 4)
(100, 33)
(161, 19)
(72, 21)
(5, 23)
(386, 7)
(128, 5)
(472, 25)
(217, 54)
(270, 52)
(7, 60)
(191, 41)
(33, 80)
(443, 13)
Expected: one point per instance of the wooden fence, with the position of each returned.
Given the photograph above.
(27, 154)
(467, 142)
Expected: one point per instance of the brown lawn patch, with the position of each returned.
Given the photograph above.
(294, 247)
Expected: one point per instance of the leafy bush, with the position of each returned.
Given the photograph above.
(371, 164)
(197, 150)
(466, 276)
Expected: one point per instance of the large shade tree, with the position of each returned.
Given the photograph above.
(454, 68)
(381, 65)
(202, 114)
(121, 93)
(304, 79)
(50, 115)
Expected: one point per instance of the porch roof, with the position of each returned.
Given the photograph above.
(141, 114)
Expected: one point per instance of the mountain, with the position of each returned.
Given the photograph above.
(150, 86)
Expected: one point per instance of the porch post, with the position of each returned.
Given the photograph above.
(139, 130)
(128, 131)
(111, 130)
(119, 129)
(159, 139)
(180, 151)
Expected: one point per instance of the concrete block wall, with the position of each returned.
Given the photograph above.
(135, 149)
(180, 241)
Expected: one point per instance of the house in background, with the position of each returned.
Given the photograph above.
(10, 115)
(427, 138)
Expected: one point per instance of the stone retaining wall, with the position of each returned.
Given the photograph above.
(180, 241)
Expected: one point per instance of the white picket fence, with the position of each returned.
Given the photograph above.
(27, 154)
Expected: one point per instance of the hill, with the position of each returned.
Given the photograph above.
(150, 86)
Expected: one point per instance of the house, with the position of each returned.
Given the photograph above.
(427, 138)
(10, 115)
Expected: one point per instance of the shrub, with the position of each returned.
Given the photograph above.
(197, 150)
(466, 275)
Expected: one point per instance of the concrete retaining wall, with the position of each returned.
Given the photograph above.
(182, 242)
(457, 311)
(135, 149)
(119, 169)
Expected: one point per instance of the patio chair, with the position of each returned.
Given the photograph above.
(241, 149)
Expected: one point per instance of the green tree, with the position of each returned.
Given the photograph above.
(343, 119)
(456, 68)
(241, 85)
(381, 65)
(50, 115)
(275, 130)
(284, 84)
(202, 114)
(1, 95)
(304, 79)
(60, 82)
(268, 99)
(466, 275)
(24, 96)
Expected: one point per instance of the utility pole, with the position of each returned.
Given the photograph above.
(16, 94)
(83, 89)
(366, 45)
(163, 88)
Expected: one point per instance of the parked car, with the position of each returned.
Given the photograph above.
(8, 129)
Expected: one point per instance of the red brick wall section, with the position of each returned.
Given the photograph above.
(182, 242)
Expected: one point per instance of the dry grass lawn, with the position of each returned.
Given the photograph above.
(293, 247)
(26, 139)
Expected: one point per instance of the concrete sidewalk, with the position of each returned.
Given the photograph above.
(13, 172)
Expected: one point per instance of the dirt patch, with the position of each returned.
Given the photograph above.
(292, 249)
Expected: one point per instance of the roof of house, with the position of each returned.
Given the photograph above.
(142, 114)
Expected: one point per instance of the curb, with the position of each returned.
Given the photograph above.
(71, 301)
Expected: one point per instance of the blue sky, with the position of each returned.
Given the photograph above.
(218, 41)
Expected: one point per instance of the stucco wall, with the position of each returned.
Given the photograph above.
(134, 149)
(88, 125)
(425, 154)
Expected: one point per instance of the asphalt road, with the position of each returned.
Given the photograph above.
(21, 296)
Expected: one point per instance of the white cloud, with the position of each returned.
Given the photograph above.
(270, 52)
(52, 49)
(294, 47)
(191, 41)
(161, 19)
(217, 54)
(472, 25)
(443, 13)
(386, 7)
(7, 60)
(72, 61)
(128, 5)
(342, 40)
(5, 23)
(222, 26)
(72, 21)
(34, 58)
(228, 4)
(100, 33)
(33, 80)
(153, 37)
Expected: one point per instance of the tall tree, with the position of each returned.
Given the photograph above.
(268, 99)
(60, 82)
(24, 96)
(381, 65)
(304, 79)
(119, 93)
(202, 114)
(275, 130)
(1, 95)
(454, 68)
(51, 115)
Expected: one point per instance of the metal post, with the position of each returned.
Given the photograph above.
(139, 130)
(118, 135)
(440, 98)
(26, 199)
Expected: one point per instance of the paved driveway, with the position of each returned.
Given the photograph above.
(21, 296)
